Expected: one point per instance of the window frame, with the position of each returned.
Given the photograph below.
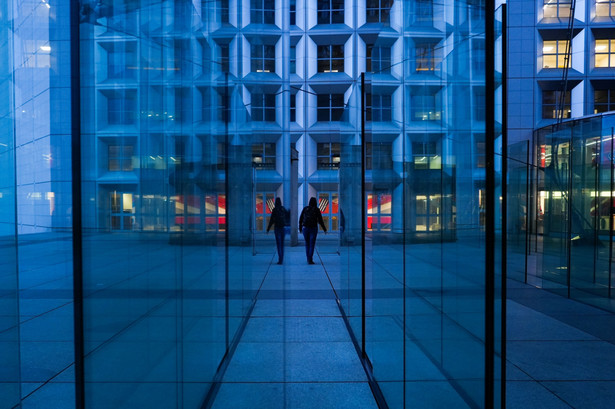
(264, 155)
(562, 8)
(380, 10)
(609, 53)
(553, 106)
(260, 13)
(330, 58)
(330, 12)
(262, 58)
(261, 110)
(333, 111)
(559, 54)
(378, 59)
(328, 161)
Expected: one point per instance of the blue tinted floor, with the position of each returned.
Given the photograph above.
(295, 351)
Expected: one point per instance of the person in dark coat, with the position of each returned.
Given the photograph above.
(278, 217)
(308, 225)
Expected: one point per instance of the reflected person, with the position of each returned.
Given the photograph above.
(278, 217)
(308, 225)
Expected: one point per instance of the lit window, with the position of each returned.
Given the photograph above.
(330, 107)
(263, 107)
(425, 107)
(122, 210)
(425, 155)
(262, 11)
(263, 58)
(604, 100)
(263, 155)
(330, 11)
(605, 8)
(378, 60)
(550, 102)
(605, 53)
(379, 211)
(554, 54)
(426, 59)
(556, 8)
(328, 155)
(331, 58)
(377, 11)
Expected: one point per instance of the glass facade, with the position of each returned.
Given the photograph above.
(191, 114)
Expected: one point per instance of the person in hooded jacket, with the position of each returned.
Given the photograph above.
(308, 225)
(278, 218)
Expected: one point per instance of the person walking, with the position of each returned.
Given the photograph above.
(308, 225)
(278, 218)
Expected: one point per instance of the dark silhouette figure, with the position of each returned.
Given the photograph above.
(278, 218)
(308, 225)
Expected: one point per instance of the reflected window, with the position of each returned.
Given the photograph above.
(263, 107)
(425, 107)
(262, 11)
(222, 8)
(378, 155)
(263, 156)
(478, 56)
(604, 53)
(331, 58)
(215, 212)
(122, 210)
(478, 104)
(328, 155)
(554, 54)
(479, 150)
(121, 60)
(605, 8)
(378, 108)
(423, 13)
(263, 58)
(556, 8)
(330, 11)
(377, 11)
(224, 58)
(119, 158)
(379, 213)
(604, 100)
(551, 100)
(378, 60)
(425, 155)
(330, 107)
(213, 105)
(121, 107)
(426, 58)
(264, 204)
(428, 213)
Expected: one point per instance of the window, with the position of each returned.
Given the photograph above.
(263, 58)
(379, 211)
(479, 150)
(328, 203)
(554, 54)
(426, 59)
(377, 11)
(293, 107)
(378, 155)
(293, 12)
(122, 210)
(550, 103)
(423, 12)
(378, 60)
(119, 158)
(215, 212)
(556, 8)
(224, 58)
(328, 155)
(605, 53)
(425, 107)
(428, 212)
(293, 59)
(263, 208)
(478, 56)
(263, 155)
(330, 107)
(604, 100)
(263, 107)
(478, 104)
(331, 58)
(222, 8)
(213, 105)
(426, 156)
(330, 11)
(262, 11)
(605, 8)
(121, 108)
(378, 107)
(121, 60)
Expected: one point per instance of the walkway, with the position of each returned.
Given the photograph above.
(295, 351)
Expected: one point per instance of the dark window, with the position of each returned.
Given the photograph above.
(262, 11)
(378, 60)
(423, 12)
(604, 100)
(330, 11)
(331, 58)
(479, 151)
(479, 103)
(378, 107)
(293, 107)
(293, 12)
(263, 155)
(263, 107)
(121, 108)
(120, 158)
(328, 155)
(330, 107)
(121, 60)
(293, 59)
(378, 155)
(478, 56)
(377, 11)
(223, 9)
(426, 59)
(425, 107)
(224, 58)
(263, 58)
(551, 102)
